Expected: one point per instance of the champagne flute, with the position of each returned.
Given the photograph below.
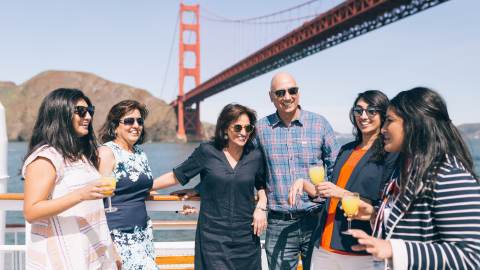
(317, 174)
(350, 204)
(109, 180)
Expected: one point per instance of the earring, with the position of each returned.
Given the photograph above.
(225, 137)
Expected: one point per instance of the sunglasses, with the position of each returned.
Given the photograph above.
(370, 111)
(281, 92)
(82, 110)
(129, 121)
(238, 128)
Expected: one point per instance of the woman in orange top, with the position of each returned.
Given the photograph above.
(362, 166)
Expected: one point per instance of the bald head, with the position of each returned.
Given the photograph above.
(282, 79)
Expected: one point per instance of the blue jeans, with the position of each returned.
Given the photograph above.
(287, 239)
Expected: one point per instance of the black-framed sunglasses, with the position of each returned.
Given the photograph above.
(129, 121)
(279, 93)
(82, 110)
(238, 128)
(370, 111)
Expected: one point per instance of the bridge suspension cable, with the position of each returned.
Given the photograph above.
(172, 44)
(256, 20)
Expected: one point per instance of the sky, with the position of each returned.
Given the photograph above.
(129, 42)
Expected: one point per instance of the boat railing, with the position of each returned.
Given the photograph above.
(170, 255)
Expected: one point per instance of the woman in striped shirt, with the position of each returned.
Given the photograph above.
(429, 217)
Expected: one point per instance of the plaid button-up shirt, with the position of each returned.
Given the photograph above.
(290, 151)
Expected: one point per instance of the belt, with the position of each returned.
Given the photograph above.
(291, 215)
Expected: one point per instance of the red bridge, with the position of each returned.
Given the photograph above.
(345, 21)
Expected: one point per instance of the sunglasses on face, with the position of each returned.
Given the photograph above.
(129, 121)
(238, 128)
(279, 93)
(82, 110)
(370, 111)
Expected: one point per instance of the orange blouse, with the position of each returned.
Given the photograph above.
(343, 178)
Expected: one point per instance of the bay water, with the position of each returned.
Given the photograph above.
(162, 157)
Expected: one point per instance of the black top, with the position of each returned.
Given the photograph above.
(224, 238)
(368, 179)
(134, 181)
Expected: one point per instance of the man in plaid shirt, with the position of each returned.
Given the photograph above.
(292, 140)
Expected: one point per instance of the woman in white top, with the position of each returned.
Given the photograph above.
(62, 191)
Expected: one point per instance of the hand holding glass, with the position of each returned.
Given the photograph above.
(350, 203)
(109, 180)
(317, 174)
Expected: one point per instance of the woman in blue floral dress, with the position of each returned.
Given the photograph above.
(120, 155)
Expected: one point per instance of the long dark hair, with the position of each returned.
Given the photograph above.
(229, 114)
(429, 136)
(107, 132)
(377, 99)
(54, 127)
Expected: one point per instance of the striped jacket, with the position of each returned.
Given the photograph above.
(440, 229)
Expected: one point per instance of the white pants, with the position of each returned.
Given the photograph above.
(325, 260)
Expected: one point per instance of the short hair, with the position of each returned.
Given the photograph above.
(107, 132)
(229, 114)
(54, 127)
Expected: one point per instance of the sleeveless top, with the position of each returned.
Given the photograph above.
(134, 181)
(77, 238)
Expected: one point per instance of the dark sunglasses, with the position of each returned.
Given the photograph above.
(281, 92)
(370, 111)
(129, 121)
(238, 128)
(82, 110)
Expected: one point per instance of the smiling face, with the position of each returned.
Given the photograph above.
(240, 138)
(393, 131)
(127, 133)
(81, 124)
(287, 104)
(367, 124)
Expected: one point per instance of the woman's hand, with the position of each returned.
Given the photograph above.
(119, 264)
(295, 190)
(379, 248)
(187, 210)
(94, 191)
(365, 211)
(328, 189)
(259, 221)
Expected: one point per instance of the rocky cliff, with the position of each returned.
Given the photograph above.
(22, 102)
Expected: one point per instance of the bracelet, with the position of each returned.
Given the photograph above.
(263, 209)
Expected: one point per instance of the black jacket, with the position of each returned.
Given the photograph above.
(368, 179)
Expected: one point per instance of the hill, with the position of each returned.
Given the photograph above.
(22, 102)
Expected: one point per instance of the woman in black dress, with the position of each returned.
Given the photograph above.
(230, 167)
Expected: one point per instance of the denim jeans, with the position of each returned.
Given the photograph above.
(286, 240)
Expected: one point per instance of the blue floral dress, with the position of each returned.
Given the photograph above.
(130, 226)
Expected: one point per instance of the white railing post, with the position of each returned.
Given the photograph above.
(3, 174)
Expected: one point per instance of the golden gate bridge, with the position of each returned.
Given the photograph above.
(342, 22)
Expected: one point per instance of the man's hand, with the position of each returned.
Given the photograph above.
(295, 190)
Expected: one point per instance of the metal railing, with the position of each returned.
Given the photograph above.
(14, 255)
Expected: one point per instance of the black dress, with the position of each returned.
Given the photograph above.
(224, 237)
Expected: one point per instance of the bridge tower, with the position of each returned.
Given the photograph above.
(188, 116)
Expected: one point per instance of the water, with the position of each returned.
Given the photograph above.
(163, 157)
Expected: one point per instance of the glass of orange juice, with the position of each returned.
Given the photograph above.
(350, 204)
(109, 180)
(317, 174)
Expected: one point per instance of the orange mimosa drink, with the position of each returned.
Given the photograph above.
(350, 204)
(317, 174)
(109, 181)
